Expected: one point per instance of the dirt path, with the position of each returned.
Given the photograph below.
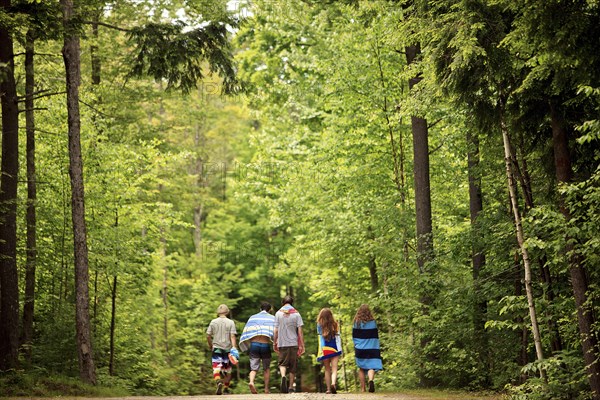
(291, 396)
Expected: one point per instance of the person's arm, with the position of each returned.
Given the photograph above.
(209, 332)
(275, 336)
(300, 341)
(233, 340)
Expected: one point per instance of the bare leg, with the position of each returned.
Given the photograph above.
(284, 387)
(327, 365)
(267, 376)
(361, 378)
(371, 380)
(334, 370)
(252, 375)
(291, 382)
(227, 379)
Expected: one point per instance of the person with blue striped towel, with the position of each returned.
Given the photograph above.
(256, 338)
(367, 352)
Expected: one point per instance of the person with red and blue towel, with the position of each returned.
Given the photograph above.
(330, 347)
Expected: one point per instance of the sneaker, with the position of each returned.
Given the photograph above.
(252, 388)
(219, 388)
(226, 390)
(284, 385)
(333, 389)
(371, 387)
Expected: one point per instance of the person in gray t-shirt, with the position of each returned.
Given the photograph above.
(288, 341)
(221, 339)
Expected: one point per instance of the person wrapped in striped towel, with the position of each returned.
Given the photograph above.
(256, 338)
(367, 352)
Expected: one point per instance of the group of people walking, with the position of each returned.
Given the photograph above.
(284, 331)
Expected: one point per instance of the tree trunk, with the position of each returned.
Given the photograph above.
(373, 274)
(372, 264)
(521, 241)
(201, 183)
(522, 358)
(95, 302)
(520, 164)
(28, 307)
(420, 134)
(421, 171)
(96, 78)
(164, 292)
(477, 252)
(9, 281)
(198, 229)
(95, 58)
(71, 56)
(579, 281)
(113, 312)
(556, 339)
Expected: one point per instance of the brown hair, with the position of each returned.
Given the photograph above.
(329, 326)
(363, 315)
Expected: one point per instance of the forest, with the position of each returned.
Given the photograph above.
(438, 160)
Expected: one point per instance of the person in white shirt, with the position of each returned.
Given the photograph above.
(288, 342)
(221, 339)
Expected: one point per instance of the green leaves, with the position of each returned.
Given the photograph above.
(305, 183)
(176, 53)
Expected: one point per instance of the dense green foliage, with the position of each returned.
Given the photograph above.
(303, 184)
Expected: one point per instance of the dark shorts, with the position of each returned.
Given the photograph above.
(259, 352)
(288, 357)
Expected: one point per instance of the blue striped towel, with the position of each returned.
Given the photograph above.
(258, 324)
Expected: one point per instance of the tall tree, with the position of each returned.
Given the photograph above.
(512, 189)
(577, 270)
(470, 64)
(423, 220)
(31, 257)
(71, 56)
(477, 249)
(9, 286)
(557, 36)
(420, 132)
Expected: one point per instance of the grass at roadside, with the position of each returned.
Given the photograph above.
(436, 394)
(21, 384)
(44, 385)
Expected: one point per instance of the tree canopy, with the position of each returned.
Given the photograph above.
(236, 152)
